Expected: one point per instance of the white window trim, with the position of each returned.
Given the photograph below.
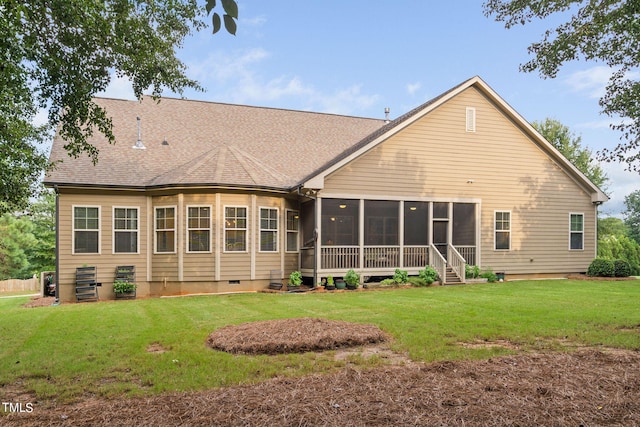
(113, 229)
(276, 230)
(209, 250)
(73, 229)
(287, 231)
(495, 231)
(155, 229)
(225, 229)
(571, 232)
(470, 119)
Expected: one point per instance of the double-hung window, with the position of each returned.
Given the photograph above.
(502, 230)
(86, 229)
(125, 230)
(576, 231)
(199, 228)
(165, 223)
(293, 227)
(268, 230)
(235, 228)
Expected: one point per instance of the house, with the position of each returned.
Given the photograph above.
(209, 197)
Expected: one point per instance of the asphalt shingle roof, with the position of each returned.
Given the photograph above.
(209, 144)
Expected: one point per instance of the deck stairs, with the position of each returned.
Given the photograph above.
(452, 278)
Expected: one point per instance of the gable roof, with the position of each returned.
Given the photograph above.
(224, 145)
(316, 179)
(208, 144)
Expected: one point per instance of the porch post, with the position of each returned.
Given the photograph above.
(317, 232)
(401, 234)
(361, 235)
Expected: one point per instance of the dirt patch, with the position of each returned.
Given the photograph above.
(156, 347)
(40, 301)
(293, 336)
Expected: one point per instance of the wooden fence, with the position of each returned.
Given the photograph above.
(20, 285)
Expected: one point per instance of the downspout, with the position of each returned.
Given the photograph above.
(57, 300)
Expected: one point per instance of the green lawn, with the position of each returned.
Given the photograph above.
(101, 348)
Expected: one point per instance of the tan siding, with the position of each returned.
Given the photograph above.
(435, 158)
(106, 261)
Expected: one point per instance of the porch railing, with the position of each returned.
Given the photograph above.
(456, 261)
(339, 257)
(438, 262)
(415, 256)
(381, 257)
(468, 253)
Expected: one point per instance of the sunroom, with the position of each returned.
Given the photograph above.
(375, 237)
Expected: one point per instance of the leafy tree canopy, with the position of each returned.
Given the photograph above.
(57, 54)
(570, 146)
(606, 31)
(632, 215)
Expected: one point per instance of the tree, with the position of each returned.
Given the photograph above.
(632, 215)
(569, 145)
(58, 54)
(42, 215)
(604, 31)
(611, 226)
(15, 240)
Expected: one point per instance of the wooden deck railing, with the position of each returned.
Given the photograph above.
(456, 261)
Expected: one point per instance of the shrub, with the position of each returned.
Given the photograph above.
(621, 268)
(601, 267)
(418, 281)
(471, 271)
(400, 276)
(295, 278)
(489, 275)
(352, 278)
(429, 275)
(388, 282)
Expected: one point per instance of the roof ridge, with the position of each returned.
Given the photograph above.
(243, 156)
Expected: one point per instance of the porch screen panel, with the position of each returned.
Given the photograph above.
(464, 224)
(307, 212)
(340, 222)
(416, 223)
(381, 223)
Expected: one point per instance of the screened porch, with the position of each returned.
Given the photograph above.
(375, 237)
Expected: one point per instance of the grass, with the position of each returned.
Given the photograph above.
(101, 348)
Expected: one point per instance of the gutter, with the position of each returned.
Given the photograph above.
(57, 300)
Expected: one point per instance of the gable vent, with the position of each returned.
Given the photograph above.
(471, 119)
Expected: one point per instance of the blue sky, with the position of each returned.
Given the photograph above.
(357, 57)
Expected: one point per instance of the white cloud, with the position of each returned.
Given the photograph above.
(412, 88)
(242, 79)
(119, 88)
(593, 81)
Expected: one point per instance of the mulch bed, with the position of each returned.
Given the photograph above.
(293, 336)
(586, 388)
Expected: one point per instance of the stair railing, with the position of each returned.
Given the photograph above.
(456, 262)
(437, 261)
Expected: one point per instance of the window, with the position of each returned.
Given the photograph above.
(576, 231)
(293, 225)
(198, 228)
(503, 230)
(235, 228)
(382, 223)
(125, 230)
(268, 230)
(86, 229)
(165, 223)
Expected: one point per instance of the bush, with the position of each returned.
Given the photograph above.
(418, 281)
(621, 268)
(601, 267)
(489, 275)
(400, 276)
(471, 271)
(389, 282)
(429, 275)
(352, 278)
